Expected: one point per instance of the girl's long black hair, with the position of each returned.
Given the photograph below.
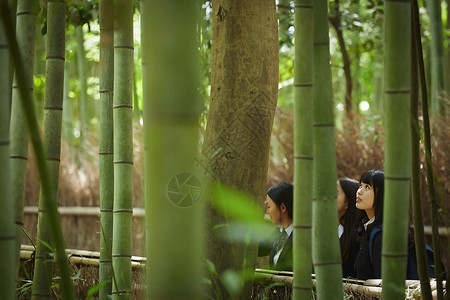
(349, 218)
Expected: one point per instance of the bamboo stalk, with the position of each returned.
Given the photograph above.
(419, 236)
(428, 159)
(303, 149)
(7, 229)
(46, 184)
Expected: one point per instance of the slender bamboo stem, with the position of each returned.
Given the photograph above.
(26, 23)
(7, 230)
(106, 146)
(397, 85)
(123, 148)
(325, 240)
(46, 183)
(422, 264)
(427, 141)
(303, 150)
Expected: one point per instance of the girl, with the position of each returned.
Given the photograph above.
(369, 198)
(347, 213)
(279, 203)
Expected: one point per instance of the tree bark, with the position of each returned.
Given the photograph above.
(397, 85)
(303, 149)
(244, 86)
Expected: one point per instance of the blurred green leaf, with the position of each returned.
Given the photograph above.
(236, 205)
(232, 282)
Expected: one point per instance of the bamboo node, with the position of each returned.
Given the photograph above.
(53, 108)
(56, 57)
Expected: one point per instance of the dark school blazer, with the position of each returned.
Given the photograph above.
(348, 266)
(284, 262)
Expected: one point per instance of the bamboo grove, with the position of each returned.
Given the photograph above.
(205, 83)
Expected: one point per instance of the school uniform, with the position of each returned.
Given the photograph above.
(366, 268)
(348, 266)
(279, 259)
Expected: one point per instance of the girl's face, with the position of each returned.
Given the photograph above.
(365, 199)
(342, 203)
(273, 210)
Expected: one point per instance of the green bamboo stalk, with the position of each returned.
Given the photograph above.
(428, 159)
(7, 230)
(25, 26)
(303, 150)
(46, 183)
(67, 108)
(106, 143)
(53, 103)
(123, 148)
(422, 265)
(325, 240)
(437, 57)
(83, 106)
(397, 85)
(172, 108)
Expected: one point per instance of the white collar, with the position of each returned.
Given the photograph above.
(369, 222)
(340, 230)
(288, 230)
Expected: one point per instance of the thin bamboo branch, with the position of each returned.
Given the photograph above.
(427, 137)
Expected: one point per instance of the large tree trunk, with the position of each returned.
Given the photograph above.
(303, 149)
(172, 106)
(123, 148)
(53, 103)
(244, 85)
(7, 230)
(397, 85)
(106, 147)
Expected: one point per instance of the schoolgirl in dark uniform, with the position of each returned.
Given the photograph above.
(348, 229)
(279, 204)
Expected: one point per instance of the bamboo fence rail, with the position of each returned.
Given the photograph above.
(370, 288)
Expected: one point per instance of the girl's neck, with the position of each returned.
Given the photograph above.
(286, 223)
(370, 213)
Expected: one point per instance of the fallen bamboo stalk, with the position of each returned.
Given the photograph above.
(78, 257)
(81, 211)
